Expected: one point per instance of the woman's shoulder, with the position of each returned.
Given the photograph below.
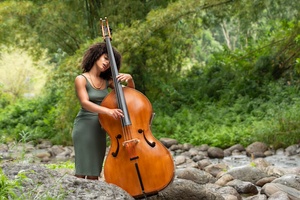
(81, 78)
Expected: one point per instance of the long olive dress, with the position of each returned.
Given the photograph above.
(89, 138)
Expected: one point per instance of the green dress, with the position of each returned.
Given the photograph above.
(89, 138)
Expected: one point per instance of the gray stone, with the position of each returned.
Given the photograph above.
(215, 152)
(168, 142)
(223, 180)
(279, 195)
(215, 169)
(195, 175)
(180, 160)
(263, 181)
(190, 158)
(292, 150)
(271, 188)
(243, 187)
(290, 180)
(204, 163)
(186, 190)
(237, 147)
(247, 173)
(229, 193)
(41, 182)
(257, 197)
(256, 148)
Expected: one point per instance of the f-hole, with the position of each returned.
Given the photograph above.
(114, 154)
(151, 144)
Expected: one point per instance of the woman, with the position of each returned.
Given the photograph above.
(89, 138)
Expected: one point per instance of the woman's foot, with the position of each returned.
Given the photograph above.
(92, 177)
(80, 176)
(87, 177)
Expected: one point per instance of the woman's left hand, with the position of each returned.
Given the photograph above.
(127, 78)
(124, 77)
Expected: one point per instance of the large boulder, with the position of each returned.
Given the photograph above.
(186, 190)
(39, 182)
(247, 173)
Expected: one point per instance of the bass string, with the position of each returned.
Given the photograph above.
(127, 133)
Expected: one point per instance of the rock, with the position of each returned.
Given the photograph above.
(175, 147)
(229, 193)
(203, 147)
(6, 156)
(186, 154)
(204, 163)
(44, 144)
(41, 153)
(261, 163)
(280, 151)
(3, 148)
(187, 147)
(56, 149)
(215, 152)
(168, 142)
(247, 173)
(195, 175)
(41, 182)
(237, 147)
(290, 180)
(257, 197)
(271, 188)
(186, 190)
(279, 195)
(180, 160)
(65, 154)
(227, 153)
(220, 178)
(193, 152)
(256, 148)
(243, 187)
(26, 147)
(268, 153)
(258, 155)
(215, 169)
(223, 180)
(274, 171)
(263, 181)
(198, 158)
(292, 150)
(291, 170)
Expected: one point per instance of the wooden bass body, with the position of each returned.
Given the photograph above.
(137, 162)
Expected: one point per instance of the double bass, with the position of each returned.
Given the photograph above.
(136, 161)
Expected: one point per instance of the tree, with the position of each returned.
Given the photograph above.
(20, 75)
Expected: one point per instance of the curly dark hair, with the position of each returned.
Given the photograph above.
(94, 53)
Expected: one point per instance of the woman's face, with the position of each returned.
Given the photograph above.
(103, 63)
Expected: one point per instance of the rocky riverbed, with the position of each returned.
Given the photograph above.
(255, 172)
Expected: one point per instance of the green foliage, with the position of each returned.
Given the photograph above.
(62, 165)
(246, 120)
(32, 116)
(7, 187)
(216, 72)
(5, 98)
(29, 74)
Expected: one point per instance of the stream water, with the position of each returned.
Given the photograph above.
(278, 160)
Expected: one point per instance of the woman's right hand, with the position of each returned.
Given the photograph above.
(115, 113)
